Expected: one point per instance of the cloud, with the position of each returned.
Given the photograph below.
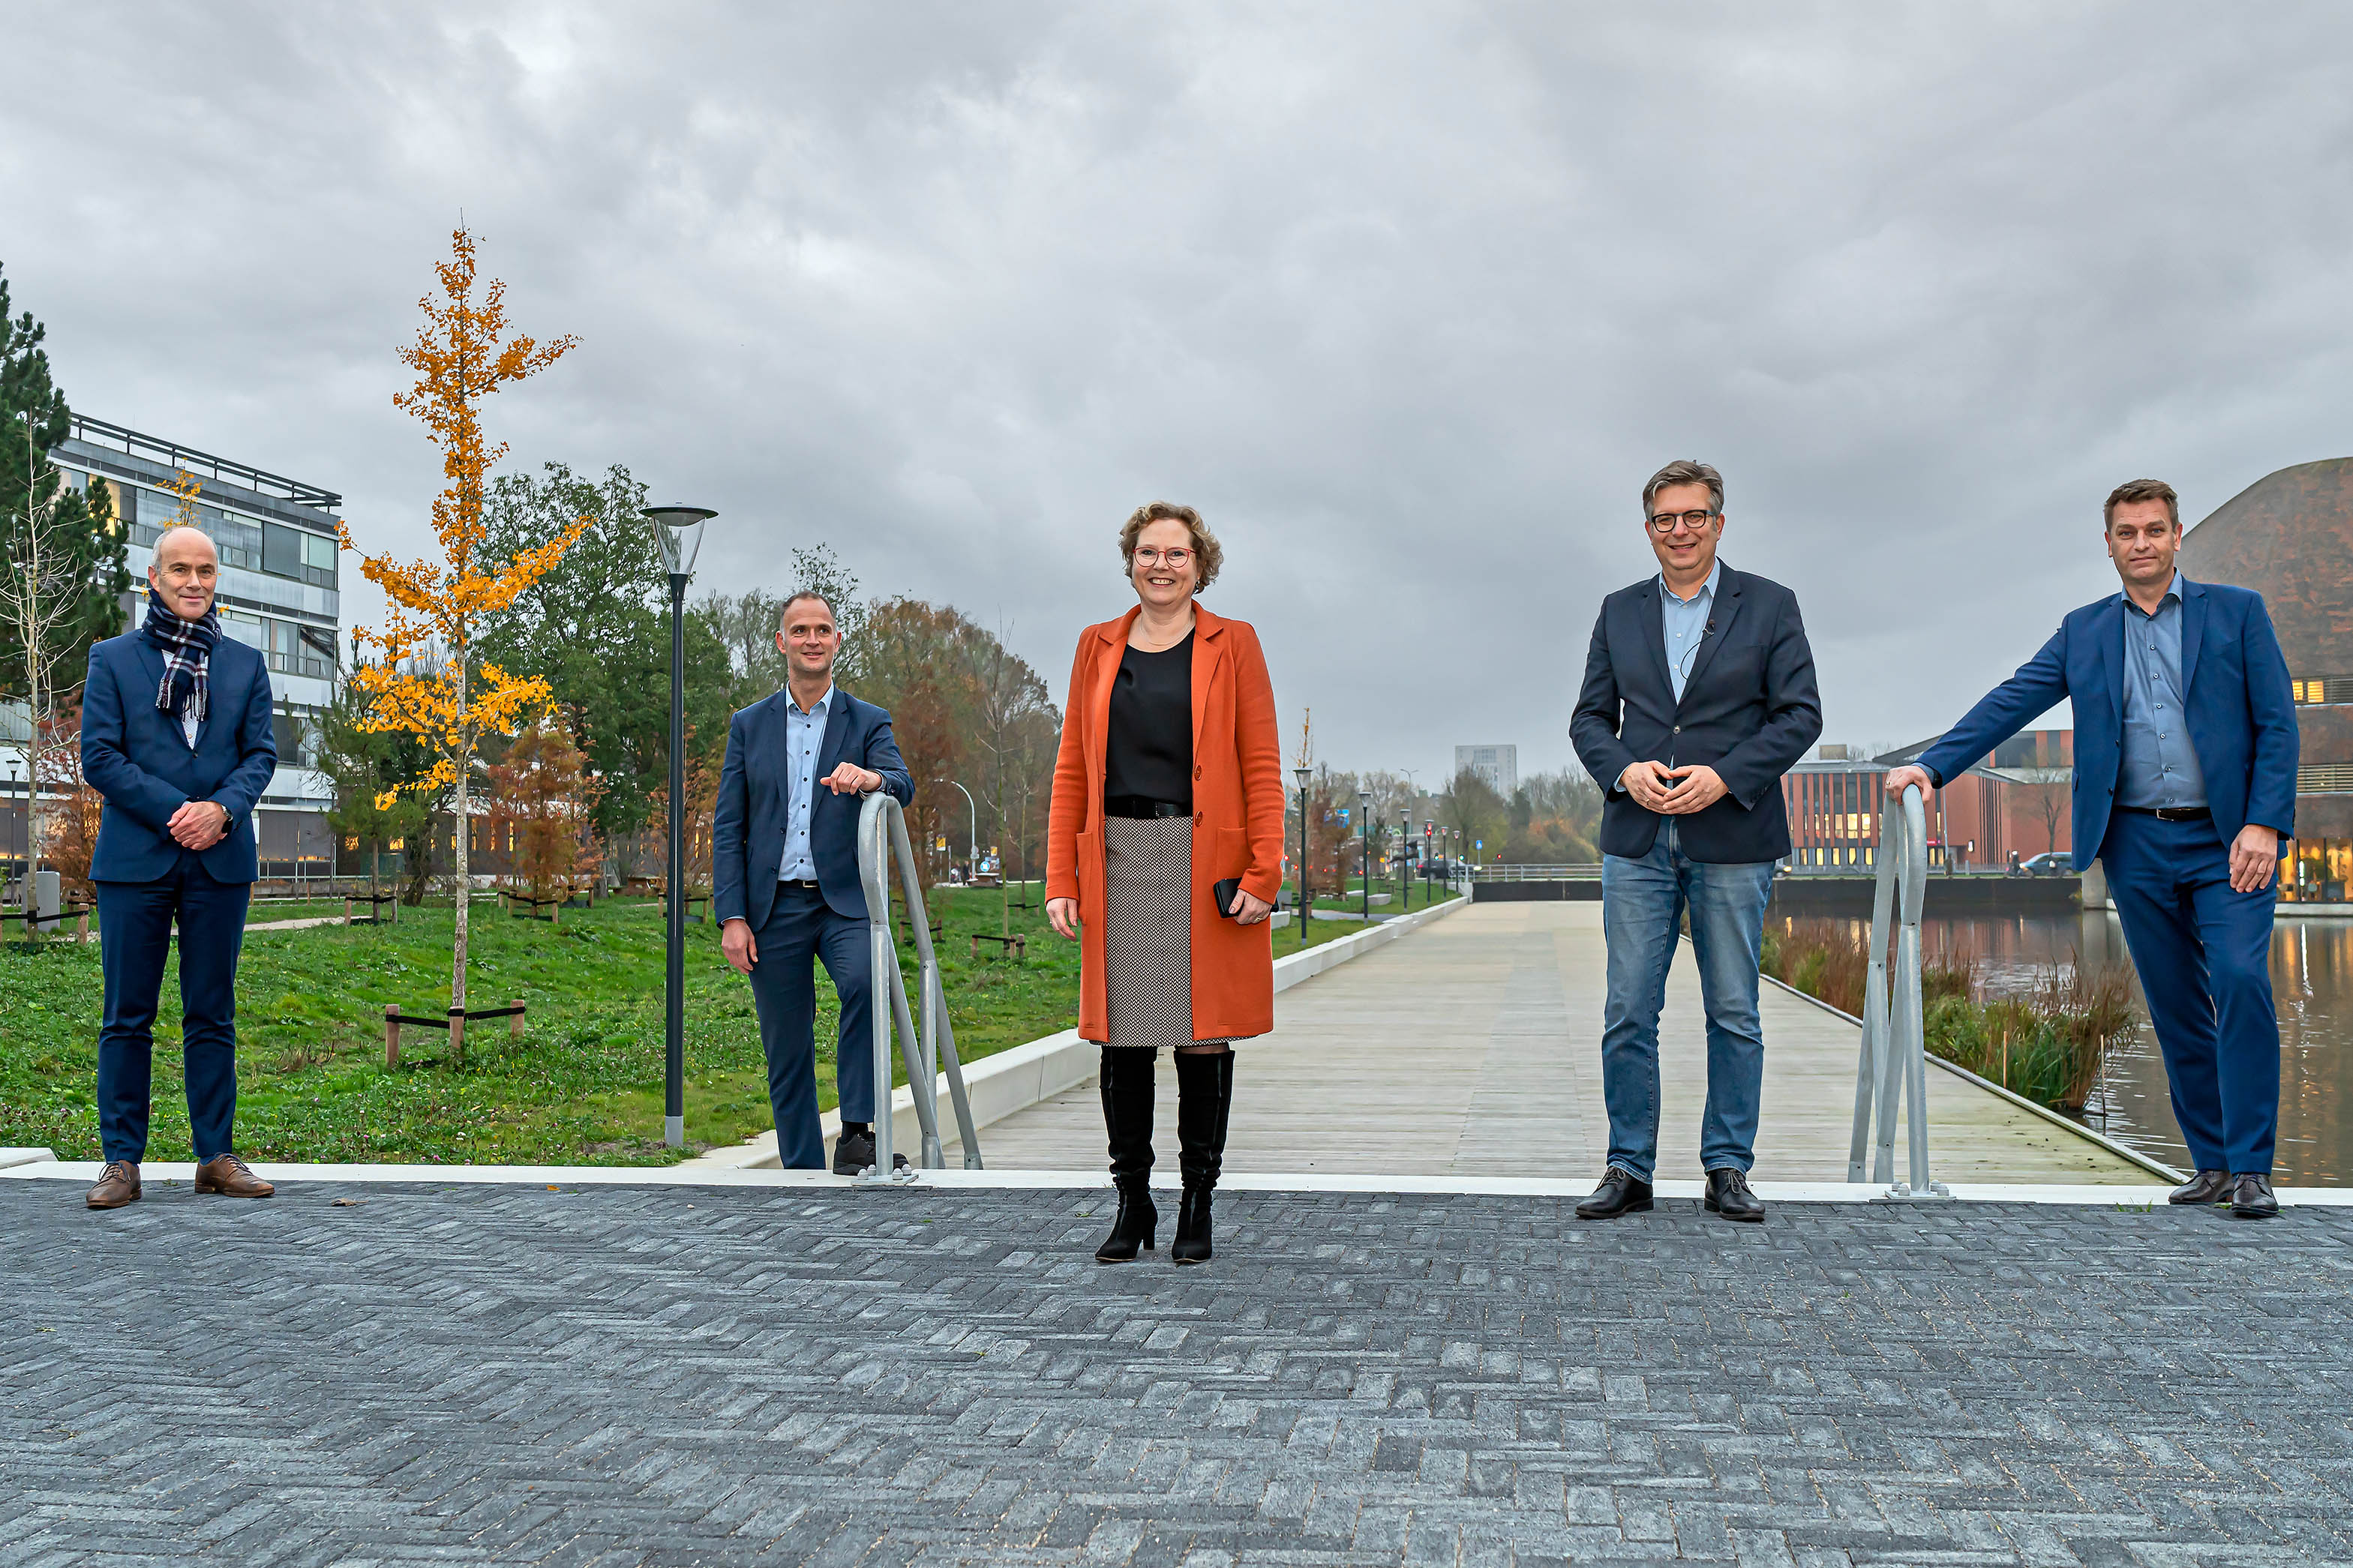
(1409, 299)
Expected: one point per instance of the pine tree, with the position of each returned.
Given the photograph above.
(61, 554)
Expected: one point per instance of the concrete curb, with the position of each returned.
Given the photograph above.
(690, 1177)
(2153, 1166)
(1015, 1080)
(10, 1158)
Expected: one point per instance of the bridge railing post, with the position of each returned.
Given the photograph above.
(1893, 1065)
(927, 1040)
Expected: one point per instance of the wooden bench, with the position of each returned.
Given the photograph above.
(377, 903)
(454, 1022)
(1017, 945)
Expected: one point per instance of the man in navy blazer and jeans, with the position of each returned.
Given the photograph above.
(1699, 694)
(175, 735)
(784, 882)
(2184, 784)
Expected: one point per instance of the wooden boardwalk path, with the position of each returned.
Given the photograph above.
(1472, 1047)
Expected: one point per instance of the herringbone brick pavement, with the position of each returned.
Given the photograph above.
(675, 1377)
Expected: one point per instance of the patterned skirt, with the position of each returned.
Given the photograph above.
(1148, 931)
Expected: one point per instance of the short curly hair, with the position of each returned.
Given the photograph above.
(1208, 553)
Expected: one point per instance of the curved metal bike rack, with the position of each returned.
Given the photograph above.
(1895, 1057)
(925, 1048)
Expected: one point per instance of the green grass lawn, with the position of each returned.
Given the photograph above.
(583, 1086)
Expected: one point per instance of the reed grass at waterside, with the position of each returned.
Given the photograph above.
(2046, 1044)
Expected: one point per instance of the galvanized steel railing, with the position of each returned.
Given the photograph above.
(1895, 1058)
(929, 1045)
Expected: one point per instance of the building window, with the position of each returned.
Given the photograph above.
(2315, 871)
(2323, 689)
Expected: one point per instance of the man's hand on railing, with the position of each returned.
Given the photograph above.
(1063, 914)
(737, 942)
(852, 779)
(1900, 779)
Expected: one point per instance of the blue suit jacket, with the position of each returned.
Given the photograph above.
(1748, 710)
(747, 825)
(2242, 712)
(136, 754)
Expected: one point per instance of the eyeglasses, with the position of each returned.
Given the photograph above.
(1668, 522)
(1176, 560)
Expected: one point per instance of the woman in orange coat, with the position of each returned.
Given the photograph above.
(1168, 783)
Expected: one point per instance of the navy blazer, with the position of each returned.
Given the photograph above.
(747, 825)
(136, 756)
(1749, 710)
(2242, 711)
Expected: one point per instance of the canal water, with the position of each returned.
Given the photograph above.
(2311, 981)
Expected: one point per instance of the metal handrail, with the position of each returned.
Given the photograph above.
(925, 1046)
(1895, 1057)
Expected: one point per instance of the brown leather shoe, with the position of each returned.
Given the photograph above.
(227, 1175)
(117, 1184)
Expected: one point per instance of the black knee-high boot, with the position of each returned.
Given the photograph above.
(1126, 1078)
(1205, 1094)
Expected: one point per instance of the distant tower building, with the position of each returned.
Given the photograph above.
(1497, 766)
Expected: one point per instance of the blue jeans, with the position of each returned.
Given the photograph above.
(1643, 902)
(801, 929)
(134, 939)
(2204, 956)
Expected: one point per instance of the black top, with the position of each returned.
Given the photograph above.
(1149, 750)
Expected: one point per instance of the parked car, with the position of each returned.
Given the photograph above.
(2057, 863)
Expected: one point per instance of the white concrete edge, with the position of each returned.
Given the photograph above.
(684, 1175)
(1015, 1080)
(2155, 1167)
(11, 1157)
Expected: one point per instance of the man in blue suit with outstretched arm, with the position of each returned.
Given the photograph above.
(784, 882)
(2185, 786)
(175, 736)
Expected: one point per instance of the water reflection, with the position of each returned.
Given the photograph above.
(2311, 981)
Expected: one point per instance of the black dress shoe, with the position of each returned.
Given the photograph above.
(2205, 1187)
(1618, 1194)
(1728, 1195)
(2252, 1198)
(853, 1153)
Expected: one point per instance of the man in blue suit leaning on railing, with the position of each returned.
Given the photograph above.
(785, 883)
(2185, 786)
(175, 736)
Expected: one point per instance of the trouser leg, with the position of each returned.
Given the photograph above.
(1727, 919)
(134, 939)
(847, 947)
(783, 992)
(1642, 903)
(2235, 930)
(2161, 934)
(212, 935)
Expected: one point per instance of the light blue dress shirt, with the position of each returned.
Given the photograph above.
(2159, 767)
(804, 738)
(1685, 621)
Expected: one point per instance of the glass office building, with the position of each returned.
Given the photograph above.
(278, 593)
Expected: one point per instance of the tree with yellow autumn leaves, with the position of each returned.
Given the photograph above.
(426, 679)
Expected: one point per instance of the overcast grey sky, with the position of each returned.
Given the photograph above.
(1409, 299)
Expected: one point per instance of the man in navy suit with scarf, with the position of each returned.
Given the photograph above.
(175, 736)
(785, 881)
(2184, 785)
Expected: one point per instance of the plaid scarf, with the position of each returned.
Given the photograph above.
(187, 650)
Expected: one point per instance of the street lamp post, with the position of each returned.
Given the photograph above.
(1365, 846)
(1306, 902)
(680, 530)
(1404, 842)
(972, 858)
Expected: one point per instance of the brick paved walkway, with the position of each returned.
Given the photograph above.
(672, 1376)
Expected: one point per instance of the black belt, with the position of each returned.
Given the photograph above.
(1143, 807)
(797, 881)
(2171, 813)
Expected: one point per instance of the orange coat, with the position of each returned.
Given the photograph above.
(1238, 807)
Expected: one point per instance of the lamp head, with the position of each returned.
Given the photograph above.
(680, 530)
(1300, 773)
